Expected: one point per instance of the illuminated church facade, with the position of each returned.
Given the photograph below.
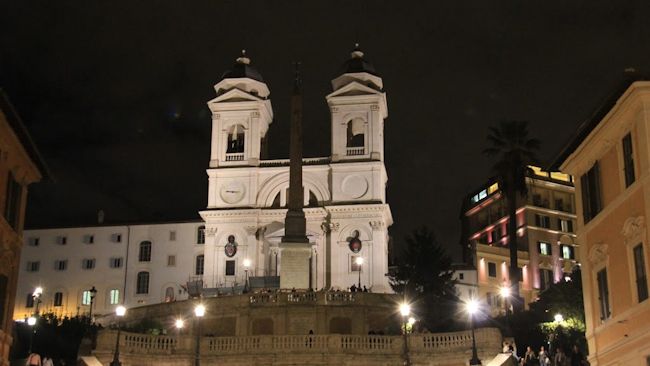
(237, 242)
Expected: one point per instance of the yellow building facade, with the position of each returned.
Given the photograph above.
(610, 158)
(20, 165)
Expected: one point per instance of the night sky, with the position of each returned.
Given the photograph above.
(115, 96)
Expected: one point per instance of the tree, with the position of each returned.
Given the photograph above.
(564, 298)
(515, 151)
(424, 277)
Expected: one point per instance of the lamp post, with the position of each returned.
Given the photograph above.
(119, 312)
(199, 311)
(247, 264)
(472, 308)
(505, 292)
(93, 293)
(405, 311)
(31, 321)
(179, 324)
(37, 297)
(359, 262)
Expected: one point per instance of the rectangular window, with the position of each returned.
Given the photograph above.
(13, 200)
(200, 235)
(489, 298)
(492, 269)
(86, 297)
(89, 239)
(61, 265)
(354, 266)
(34, 242)
(544, 248)
(639, 271)
(603, 294)
(230, 268)
(172, 235)
(58, 299)
(542, 221)
(520, 271)
(142, 284)
(62, 240)
(559, 204)
(565, 225)
(116, 238)
(545, 278)
(88, 263)
(29, 301)
(494, 236)
(590, 185)
(628, 160)
(114, 296)
(461, 276)
(115, 262)
(200, 262)
(33, 266)
(567, 252)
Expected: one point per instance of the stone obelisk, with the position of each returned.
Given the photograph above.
(295, 247)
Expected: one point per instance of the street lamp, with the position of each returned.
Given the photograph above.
(505, 292)
(36, 295)
(247, 263)
(405, 311)
(179, 324)
(558, 318)
(472, 307)
(359, 262)
(93, 293)
(199, 311)
(31, 321)
(119, 312)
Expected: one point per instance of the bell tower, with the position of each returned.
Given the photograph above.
(241, 115)
(358, 109)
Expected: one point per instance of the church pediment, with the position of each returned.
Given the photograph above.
(353, 88)
(235, 95)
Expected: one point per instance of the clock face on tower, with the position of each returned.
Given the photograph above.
(233, 192)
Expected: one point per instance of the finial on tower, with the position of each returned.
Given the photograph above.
(356, 52)
(243, 59)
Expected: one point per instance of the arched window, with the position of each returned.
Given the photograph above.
(142, 285)
(200, 262)
(356, 133)
(235, 140)
(169, 294)
(145, 251)
(200, 235)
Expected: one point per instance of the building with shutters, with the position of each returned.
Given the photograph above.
(546, 236)
(20, 166)
(610, 158)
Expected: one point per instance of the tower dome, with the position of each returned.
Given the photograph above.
(243, 76)
(358, 68)
(243, 69)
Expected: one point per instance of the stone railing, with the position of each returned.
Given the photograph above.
(487, 339)
(355, 151)
(234, 156)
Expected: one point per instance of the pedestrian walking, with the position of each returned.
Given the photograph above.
(543, 357)
(577, 358)
(34, 359)
(529, 358)
(560, 358)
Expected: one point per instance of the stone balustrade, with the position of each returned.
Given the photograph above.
(486, 338)
(318, 298)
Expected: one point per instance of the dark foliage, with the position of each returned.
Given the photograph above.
(424, 277)
(58, 338)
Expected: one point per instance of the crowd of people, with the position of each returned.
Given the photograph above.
(545, 358)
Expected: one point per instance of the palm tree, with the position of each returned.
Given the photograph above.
(515, 151)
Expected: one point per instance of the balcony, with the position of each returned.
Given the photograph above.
(234, 156)
(355, 151)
